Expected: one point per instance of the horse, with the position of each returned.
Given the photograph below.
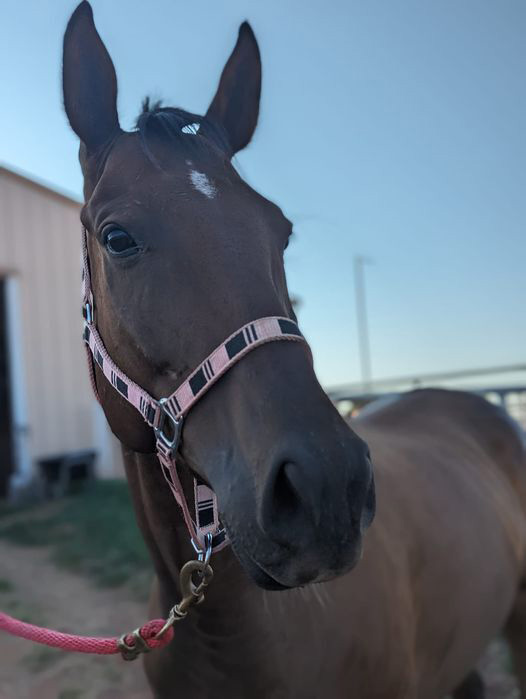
(315, 596)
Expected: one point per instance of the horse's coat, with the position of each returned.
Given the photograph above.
(444, 564)
(440, 577)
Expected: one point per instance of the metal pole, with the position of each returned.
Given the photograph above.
(361, 319)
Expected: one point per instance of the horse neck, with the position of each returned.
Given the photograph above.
(236, 615)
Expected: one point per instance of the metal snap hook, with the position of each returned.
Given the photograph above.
(191, 593)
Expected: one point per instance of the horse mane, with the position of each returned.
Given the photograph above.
(164, 126)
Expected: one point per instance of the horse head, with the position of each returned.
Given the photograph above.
(182, 253)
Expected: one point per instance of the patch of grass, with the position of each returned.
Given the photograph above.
(5, 586)
(93, 533)
(26, 533)
(6, 510)
(71, 694)
(27, 502)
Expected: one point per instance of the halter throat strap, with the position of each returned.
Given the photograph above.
(166, 415)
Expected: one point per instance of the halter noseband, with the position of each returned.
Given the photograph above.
(166, 415)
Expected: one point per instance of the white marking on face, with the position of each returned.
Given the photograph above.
(203, 184)
(191, 128)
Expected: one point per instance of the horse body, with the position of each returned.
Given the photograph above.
(433, 588)
(182, 253)
(451, 473)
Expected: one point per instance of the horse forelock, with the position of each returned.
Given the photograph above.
(159, 127)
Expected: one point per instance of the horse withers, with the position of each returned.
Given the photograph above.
(182, 252)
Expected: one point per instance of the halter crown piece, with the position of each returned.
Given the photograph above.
(165, 415)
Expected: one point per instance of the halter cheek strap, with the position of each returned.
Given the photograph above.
(166, 415)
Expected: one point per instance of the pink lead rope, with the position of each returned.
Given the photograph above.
(165, 416)
(86, 644)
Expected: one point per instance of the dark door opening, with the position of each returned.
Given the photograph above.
(6, 423)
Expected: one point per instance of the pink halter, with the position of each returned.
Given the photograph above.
(166, 415)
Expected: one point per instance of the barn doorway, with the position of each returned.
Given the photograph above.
(6, 420)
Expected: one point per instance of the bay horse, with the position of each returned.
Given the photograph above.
(183, 252)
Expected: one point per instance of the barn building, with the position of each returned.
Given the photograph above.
(47, 409)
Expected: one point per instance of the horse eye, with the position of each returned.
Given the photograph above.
(120, 243)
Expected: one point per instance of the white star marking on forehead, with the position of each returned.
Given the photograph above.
(203, 184)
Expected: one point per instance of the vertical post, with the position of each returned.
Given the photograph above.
(361, 319)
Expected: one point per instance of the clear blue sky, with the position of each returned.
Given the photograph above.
(391, 129)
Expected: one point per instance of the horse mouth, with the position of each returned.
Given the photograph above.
(263, 579)
(252, 568)
(260, 575)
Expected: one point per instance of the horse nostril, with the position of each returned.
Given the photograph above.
(285, 492)
(288, 499)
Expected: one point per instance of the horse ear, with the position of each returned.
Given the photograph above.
(236, 103)
(89, 81)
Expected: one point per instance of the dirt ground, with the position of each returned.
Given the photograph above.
(68, 601)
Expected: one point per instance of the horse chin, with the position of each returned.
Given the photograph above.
(268, 580)
(263, 579)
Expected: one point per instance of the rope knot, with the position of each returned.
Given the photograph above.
(144, 639)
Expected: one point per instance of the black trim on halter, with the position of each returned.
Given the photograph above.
(197, 382)
(150, 415)
(235, 345)
(219, 538)
(205, 513)
(288, 327)
(99, 358)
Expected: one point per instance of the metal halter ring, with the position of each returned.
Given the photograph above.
(87, 312)
(203, 556)
(171, 440)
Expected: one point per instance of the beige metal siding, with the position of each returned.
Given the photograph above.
(40, 243)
